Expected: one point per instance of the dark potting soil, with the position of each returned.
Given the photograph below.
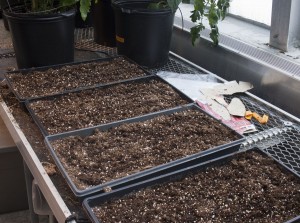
(58, 80)
(98, 106)
(251, 188)
(133, 147)
(36, 140)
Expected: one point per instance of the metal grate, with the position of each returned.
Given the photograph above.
(280, 137)
(275, 118)
(177, 66)
(90, 45)
(84, 41)
(83, 34)
(287, 150)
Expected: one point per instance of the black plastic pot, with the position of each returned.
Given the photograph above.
(42, 39)
(143, 34)
(104, 23)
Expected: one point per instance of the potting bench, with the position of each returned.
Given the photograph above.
(280, 137)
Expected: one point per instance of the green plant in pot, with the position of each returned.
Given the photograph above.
(42, 31)
(144, 27)
(213, 10)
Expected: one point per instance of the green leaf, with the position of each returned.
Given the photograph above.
(223, 5)
(199, 6)
(214, 35)
(195, 32)
(85, 6)
(154, 5)
(195, 16)
(173, 4)
(213, 10)
(213, 17)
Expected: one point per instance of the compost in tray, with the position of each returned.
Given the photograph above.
(103, 105)
(34, 83)
(133, 147)
(250, 188)
(35, 138)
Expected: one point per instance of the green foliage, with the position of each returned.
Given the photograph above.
(195, 32)
(213, 10)
(199, 6)
(41, 5)
(85, 6)
(158, 5)
(48, 6)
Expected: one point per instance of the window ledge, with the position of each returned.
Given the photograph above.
(245, 32)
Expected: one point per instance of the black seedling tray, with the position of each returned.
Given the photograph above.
(99, 87)
(199, 157)
(214, 159)
(44, 68)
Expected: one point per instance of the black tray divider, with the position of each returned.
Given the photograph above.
(90, 130)
(202, 156)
